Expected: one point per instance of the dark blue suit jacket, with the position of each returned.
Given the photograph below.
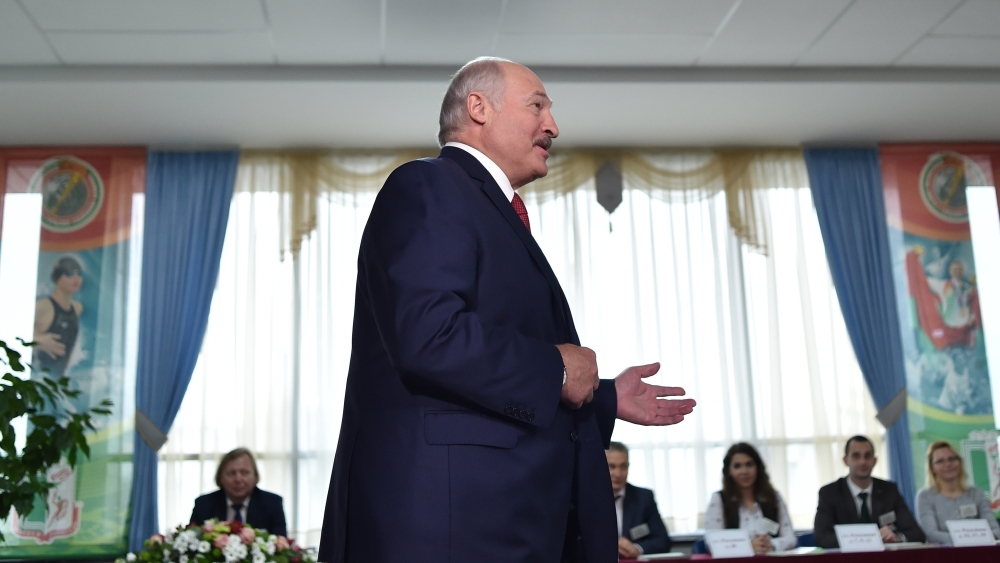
(639, 507)
(454, 444)
(265, 510)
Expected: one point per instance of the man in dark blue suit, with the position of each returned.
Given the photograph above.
(474, 422)
(640, 528)
(238, 497)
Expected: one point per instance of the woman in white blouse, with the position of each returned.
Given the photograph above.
(749, 502)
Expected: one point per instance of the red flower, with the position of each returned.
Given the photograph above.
(236, 527)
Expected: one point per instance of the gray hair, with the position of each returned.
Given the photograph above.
(618, 447)
(483, 75)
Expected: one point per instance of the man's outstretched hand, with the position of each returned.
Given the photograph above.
(640, 403)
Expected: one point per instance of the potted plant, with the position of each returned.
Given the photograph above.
(53, 432)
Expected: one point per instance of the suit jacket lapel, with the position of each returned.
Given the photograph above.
(221, 507)
(878, 502)
(855, 518)
(628, 511)
(496, 195)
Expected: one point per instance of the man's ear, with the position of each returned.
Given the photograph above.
(477, 106)
(845, 461)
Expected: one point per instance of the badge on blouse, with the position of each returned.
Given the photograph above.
(768, 526)
(639, 532)
(968, 511)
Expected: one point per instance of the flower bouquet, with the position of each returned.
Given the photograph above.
(220, 542)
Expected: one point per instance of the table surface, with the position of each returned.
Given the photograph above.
(931, 554)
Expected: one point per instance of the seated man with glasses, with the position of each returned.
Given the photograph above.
(238, 498)
(947, 497)
(860, 498)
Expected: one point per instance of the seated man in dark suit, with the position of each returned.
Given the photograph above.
(860, 498)
(238, 498)
(640, 528)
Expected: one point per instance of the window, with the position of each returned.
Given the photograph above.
(758, 340)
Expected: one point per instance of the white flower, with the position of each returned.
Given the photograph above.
(204, 547)
(190, 539)
(166, 554)
(183, 559)
(234, 550)
(130, 557)
(259, 558)
(255, 549)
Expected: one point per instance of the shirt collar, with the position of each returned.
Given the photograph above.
(856, 489)
(490, 166)
(246, 502)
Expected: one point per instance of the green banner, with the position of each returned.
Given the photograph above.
(85, 309)
(948, 378)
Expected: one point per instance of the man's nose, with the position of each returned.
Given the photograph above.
(549, 127)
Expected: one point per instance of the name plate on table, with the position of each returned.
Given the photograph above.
(724, 544)
(965, 533)
(858, 537)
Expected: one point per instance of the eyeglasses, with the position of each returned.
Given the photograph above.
(944, 460)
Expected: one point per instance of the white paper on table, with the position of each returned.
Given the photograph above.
(723, 544)
(970, 532)
(858, 537)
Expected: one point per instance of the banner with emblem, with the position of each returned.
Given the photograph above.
(69, 260)
(948, 379)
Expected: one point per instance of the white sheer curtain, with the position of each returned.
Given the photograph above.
(757, 340)
(271, 373)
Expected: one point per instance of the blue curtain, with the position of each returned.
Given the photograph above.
(847, 191)
(188, 195)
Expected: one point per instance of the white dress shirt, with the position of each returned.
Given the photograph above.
(855, 491)
(619, 508)
(494, 170)
(231, 513)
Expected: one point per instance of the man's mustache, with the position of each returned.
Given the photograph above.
(545, 142)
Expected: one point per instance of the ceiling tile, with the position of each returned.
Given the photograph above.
(20, 42)
(954, 51)
(561, 17)
(243, 47)
(771, 32)
(326, 32)
(974, 17)
(130, 15)
(593, 49)
(876, 32)
(440, 31)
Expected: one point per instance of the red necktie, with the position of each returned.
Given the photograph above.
(521, 210)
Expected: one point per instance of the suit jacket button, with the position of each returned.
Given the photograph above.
(572, 435)
(521, 414)
(508, 410)
(531, 416)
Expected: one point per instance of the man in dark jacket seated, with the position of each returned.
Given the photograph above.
(860, 498)
(238, 498)
(640, 528)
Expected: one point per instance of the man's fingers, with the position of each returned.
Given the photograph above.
(662, 391)
(648, 369)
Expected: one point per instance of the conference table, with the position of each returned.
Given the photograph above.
(936, 554)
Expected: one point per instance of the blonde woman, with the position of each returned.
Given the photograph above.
(947, 497)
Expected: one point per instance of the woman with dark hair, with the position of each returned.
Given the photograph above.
(749, 502)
